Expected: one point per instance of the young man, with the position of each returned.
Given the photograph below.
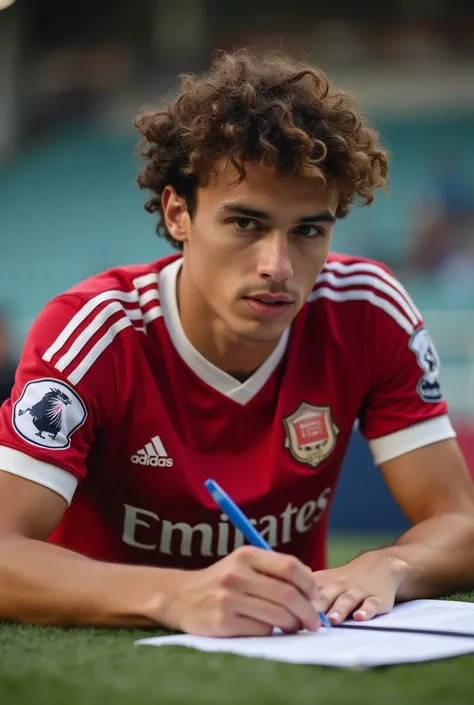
(246, 357)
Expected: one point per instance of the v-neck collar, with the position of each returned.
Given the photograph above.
(220, 381)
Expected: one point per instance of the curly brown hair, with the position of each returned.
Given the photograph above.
(271, 109)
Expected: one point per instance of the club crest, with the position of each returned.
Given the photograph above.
(311, 434)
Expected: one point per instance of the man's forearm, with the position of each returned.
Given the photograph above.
(45, 584)
(440, 555)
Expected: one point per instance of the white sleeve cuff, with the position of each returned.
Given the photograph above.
(408, 439)
(23, 465)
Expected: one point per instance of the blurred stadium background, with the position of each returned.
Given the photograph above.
(74, 74)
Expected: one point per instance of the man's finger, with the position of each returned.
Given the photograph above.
(236, 625)
(344, 606)
(250, 627)
(280, 593)
(370, 608)
(268, 612)
(329, 594)
(283, 567)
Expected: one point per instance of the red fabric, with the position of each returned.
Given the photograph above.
(345, 360)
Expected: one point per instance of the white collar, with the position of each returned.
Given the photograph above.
(216, 378)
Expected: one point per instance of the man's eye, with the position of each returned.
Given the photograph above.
(309, 231)
(245, 224)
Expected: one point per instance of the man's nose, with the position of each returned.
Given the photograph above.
(274, 260)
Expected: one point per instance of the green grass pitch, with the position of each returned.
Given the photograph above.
(52, 666)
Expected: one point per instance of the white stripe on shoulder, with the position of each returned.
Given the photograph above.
(145, 280)
(379, 271)
(373, 282)
(365, 295)
(150, 295)
(88, 332)
(78, 373)
(116, 296)
(81, 315)
(152, 314)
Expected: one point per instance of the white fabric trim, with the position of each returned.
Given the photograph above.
(152, 314)
(365, 267)
(134, 314)
(17, 463)
(370, 282)
(145, 280)
(78, 373)
(81, 315)
(150, 295)
(364, 295)
(408, 439)
(216, 378)
(88, 332)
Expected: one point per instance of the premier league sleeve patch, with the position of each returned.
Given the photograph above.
(47, 414)
(428, 360)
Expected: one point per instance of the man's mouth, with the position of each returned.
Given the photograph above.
(269, 305)
(271, 298)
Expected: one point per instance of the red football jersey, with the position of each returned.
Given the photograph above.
(116, 411)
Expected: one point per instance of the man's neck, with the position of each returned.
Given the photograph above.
(213, 339)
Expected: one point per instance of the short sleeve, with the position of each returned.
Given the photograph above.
(48, 425)
(404, 408)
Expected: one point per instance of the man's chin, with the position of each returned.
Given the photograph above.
(267, 332)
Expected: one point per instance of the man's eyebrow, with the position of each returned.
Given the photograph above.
(249, 212)
(324, 217)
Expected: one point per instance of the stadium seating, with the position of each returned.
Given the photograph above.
(70, 207)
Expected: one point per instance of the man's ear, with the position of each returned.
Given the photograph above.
(175, 214)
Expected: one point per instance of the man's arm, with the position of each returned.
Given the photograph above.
(46, 584)
(436, 556)
(247, 593)
(433, 488)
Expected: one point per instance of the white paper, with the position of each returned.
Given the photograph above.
(354, 648)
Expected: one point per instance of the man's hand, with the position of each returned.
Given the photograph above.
(364, 588)
(245, 594)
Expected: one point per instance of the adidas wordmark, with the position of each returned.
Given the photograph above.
(153, 454)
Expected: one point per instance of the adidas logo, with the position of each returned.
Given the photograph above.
(153, 454)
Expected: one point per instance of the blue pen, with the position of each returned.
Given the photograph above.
(241, 522)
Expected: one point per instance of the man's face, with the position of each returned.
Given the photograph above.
(253, 249)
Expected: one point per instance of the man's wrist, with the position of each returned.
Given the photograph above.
(400, 566)
(142, 595)
(159, 603)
